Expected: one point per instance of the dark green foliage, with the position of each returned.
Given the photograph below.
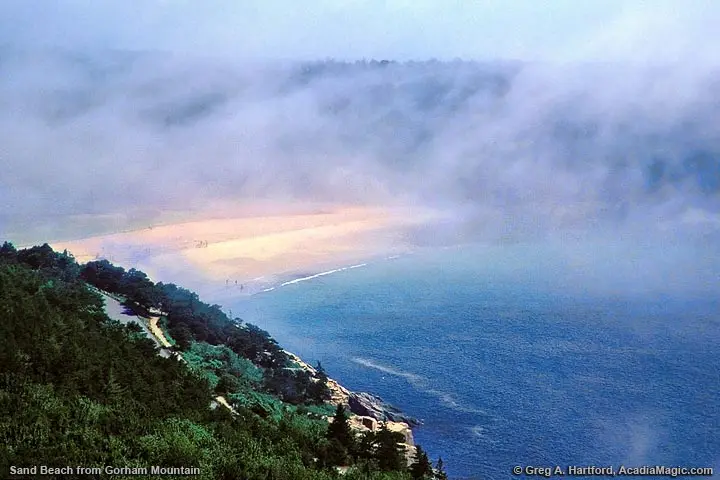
(388, 453)
(318, 390)
(182, 336)
(335, 453)
(321, 375)
(79, 389)
(8, 253)
(440, 470)
(421, 467)
(133, 284)
(69, 377)
(104, 275)
(66, 339)
(341, 441)
(227, 384)
(50, 263)
(189, 319)
(138, 288)
(38, 257)
(292, 385)
(339, 428)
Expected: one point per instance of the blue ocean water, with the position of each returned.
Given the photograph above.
(511, 356)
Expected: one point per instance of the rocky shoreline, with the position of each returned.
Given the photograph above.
(368, 412)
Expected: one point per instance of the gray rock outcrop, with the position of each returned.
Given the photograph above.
(367, 405)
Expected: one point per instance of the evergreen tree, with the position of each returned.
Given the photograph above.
(113, 390)
(336, 453)
(321, 372)
(318, 390)
(182, 336)
(227, 384)
(440, 470)
(339, 428)
(77, 388)
(388, 451)
(421, 468)
(8, 253)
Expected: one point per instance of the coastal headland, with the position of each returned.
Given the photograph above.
(243, 250)
(369, 412)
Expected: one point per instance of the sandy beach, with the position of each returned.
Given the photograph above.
(250, 248)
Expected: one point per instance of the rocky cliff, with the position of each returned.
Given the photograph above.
(369, 411)
(360, 403)
(368, 405)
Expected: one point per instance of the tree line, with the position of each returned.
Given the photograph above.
(77, 388)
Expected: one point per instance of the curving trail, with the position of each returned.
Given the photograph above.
(117, 311)
(157, 331)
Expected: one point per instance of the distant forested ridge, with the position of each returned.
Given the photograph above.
(77, 388)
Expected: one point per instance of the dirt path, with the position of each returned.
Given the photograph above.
(157, 331)
(117, 311)
(221, 400)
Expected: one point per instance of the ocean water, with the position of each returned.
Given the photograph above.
(516, 356)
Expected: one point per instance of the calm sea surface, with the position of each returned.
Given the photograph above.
(512, 357)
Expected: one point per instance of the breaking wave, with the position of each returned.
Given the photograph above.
(311, 277)
(322, 274)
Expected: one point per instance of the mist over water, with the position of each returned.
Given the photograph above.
(507, 365)
(562, 304)
(503, 151)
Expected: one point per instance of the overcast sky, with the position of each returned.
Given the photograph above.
(482, 29)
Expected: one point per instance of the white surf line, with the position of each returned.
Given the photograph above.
(302, 279)
(310, 277)
(322, 274)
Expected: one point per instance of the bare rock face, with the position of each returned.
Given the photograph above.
(367, 405)
(339, 394)
(404, 429)
(369, 411)
(410, 452)
(369, 423)
(363, 424)
(408, 443)
(359, 403)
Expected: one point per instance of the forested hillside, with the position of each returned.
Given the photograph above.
(77, 388)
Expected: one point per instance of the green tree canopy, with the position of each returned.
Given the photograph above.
(421, 468)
